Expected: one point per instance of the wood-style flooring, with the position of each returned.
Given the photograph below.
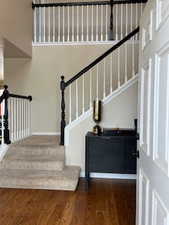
(108, 202)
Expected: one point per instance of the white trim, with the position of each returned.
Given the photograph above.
(3, 150)
(46, 133)
(41, 44)
(111, 176)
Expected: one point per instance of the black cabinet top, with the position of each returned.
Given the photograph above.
(105, 136)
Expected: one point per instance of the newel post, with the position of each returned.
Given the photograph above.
(6, 129)
(63, 122)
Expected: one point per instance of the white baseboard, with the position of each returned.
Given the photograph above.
(3, 151)
(111, 176)
(46, 133)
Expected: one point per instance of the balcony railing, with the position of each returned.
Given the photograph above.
(85, 21)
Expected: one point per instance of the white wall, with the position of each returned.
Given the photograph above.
(119, 112)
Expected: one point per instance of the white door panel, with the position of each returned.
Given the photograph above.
(153, 165)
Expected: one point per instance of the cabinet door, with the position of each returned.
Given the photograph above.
(106, 155)
(130, 158)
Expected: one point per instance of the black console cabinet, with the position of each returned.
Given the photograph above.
(110, 154)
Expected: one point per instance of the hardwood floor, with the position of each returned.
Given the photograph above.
(108, 202)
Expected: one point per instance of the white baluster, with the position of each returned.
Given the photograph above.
(82, 24)
(29, 119)
(54, 24)
(141, 8)
(83, 93)
(63, 13)
(104, 78)
(91, 88)
(58, 24)
(121, 21)
(111, 74)
(106, 22)
(35, 22)
(11, 120)
(102, 18)
(131, 21)
(132, 42)
(126, 19)
(18, 119)
(40, 24)
(9, 116)
(133, 56)
(87, 23)
(118, 65)
(24, 118)
(92, 24)
(44, 24)
(21, 119)
(116, 14)
(77, 100)
(125, 70)
(97, 22)
(70, 104)
(68, 23)
(77, 18)
(49, 28)
(136, 36)
(97, 81)
(126, 61)
(72, 23)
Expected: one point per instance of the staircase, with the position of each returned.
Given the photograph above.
(38, 162)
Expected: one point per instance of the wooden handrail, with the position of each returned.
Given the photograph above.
(61, 4)
(21, 96)
(100, 58)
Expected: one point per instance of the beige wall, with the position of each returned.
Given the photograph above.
(40, 77)
(16, 27)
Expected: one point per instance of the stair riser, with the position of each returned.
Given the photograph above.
(49, 185)
(30, 151)
(58, 166)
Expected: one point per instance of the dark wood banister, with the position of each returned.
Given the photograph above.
(61, 4)
(100, 58)
(5, 95)
(64, 84)
(21, 96)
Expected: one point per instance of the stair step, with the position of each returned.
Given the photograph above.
(36, 150)
(37, 162)
(67, 179)
(41, 140)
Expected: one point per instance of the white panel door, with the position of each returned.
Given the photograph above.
(153, 164)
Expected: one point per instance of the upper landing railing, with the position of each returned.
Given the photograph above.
(86, 21)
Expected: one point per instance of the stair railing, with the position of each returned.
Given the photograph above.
(15, 116)
(89, 21)
(99, 79)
